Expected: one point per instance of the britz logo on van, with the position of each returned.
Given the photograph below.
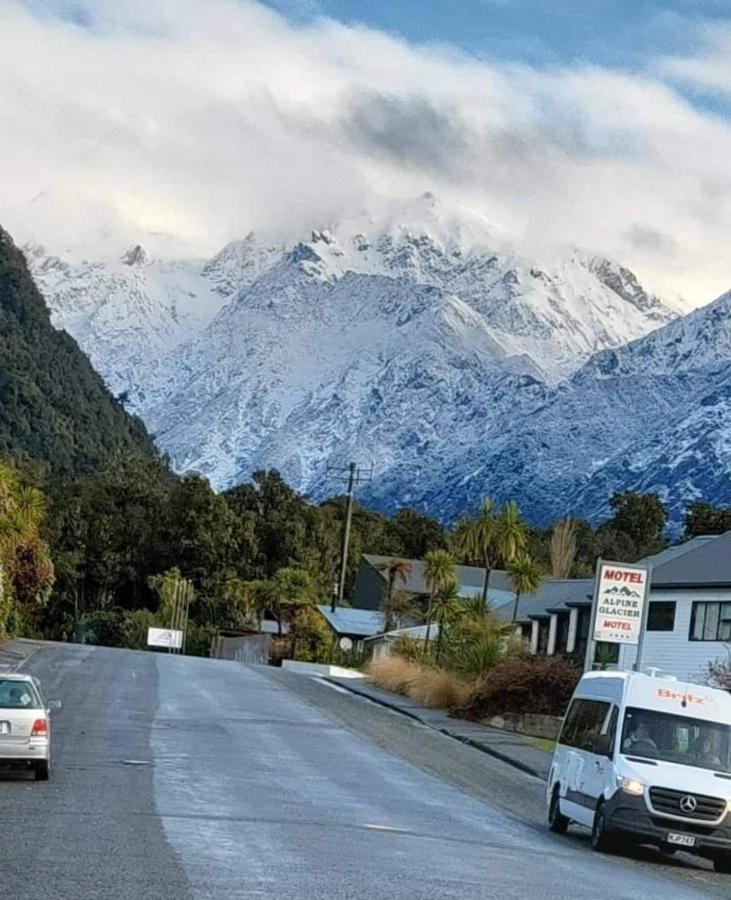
(667, 694)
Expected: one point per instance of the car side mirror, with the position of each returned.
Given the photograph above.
(602, 744)
(54, 704)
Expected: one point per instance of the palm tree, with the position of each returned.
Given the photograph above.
(511, 534)
(396, 570)
(563, 548)
(525, 576)
(477, 541)
(439, 571)
(446, 609)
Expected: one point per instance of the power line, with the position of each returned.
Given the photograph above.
(355, 476)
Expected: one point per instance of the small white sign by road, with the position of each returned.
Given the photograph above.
(165, 637)
(621, 594)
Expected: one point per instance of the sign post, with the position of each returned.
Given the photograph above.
(165, 637)
(619, 608)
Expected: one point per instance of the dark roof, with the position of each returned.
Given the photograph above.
(704, 561)
(707, 563)
(669, 553)
(553, 593)
(355, 622)
(470, 578)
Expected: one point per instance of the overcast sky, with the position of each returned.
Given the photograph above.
(606, 125)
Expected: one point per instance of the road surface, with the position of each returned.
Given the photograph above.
(184, 778)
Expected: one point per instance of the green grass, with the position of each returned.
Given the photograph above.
(543, 744)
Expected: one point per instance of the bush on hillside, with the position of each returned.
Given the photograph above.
(542, 685)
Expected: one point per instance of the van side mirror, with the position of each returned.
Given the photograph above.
(54, 704)
(602, 744)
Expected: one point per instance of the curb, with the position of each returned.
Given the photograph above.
(470, 742)
(503, 757)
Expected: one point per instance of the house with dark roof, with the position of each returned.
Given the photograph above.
(371, 583)
(356, 624)
(689, 615)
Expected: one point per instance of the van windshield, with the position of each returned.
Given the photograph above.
(679, 739)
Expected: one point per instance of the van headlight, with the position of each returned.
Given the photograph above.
(632, 786)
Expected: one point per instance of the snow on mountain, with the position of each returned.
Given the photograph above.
(654, 415)
(429, 349)
(126, 314)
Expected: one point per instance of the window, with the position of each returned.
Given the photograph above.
(18, 694)
(710, 622)
(661, 615)
(678, 739)
(585, 721)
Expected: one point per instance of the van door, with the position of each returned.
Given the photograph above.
(598, 774)
(589, 718)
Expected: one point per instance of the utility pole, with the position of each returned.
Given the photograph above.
(355, 476)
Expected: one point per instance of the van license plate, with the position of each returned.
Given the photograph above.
(4, 727)
(684, 840)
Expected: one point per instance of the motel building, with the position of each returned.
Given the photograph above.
(688, 621)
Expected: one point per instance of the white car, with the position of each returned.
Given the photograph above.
(25, 728)
(644, 759)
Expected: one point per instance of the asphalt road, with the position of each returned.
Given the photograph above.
(183, 778)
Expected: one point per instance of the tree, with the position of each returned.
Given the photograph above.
(401, 606)
(291, 590)
(446, 609)
(396, 570)
(525, 577)
(703, 518)
(26, 571)
(477, 540)
(415, 533)
(439, 572)
(511, 535)
(312, 639)
(637, 528)
(563, 548)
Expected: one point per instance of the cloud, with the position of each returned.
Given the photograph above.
(712, 70)
(198, 122)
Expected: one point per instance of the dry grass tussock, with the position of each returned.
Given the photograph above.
(435, 688)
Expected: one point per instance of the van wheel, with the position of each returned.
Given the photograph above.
(601, 841)
(42, 770)
(557, 822)
(722, 864)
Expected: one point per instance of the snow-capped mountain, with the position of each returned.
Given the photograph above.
(654, 415)
(455, 365)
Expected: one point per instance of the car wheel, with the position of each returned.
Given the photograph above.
(601, 841)
(557, 822)
(42, 770)
(722, 864)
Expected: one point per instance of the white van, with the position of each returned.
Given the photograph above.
(645, 759)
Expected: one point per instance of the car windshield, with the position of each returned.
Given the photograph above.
(18, 695)
(679, 739)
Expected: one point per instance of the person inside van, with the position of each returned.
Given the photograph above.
(706, 754)
(639, 739)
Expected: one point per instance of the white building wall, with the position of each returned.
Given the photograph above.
(672, 651)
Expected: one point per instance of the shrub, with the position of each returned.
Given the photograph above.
(471, 647)
(393, 673)
(440, 689)
(136, 623)
(432, 687)
(104, 627)
(408, 648)
(719, 674)
(526, 685)
(313, 639)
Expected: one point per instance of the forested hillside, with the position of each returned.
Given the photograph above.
(54, 408)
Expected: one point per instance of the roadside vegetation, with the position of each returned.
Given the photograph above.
(88, 557)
